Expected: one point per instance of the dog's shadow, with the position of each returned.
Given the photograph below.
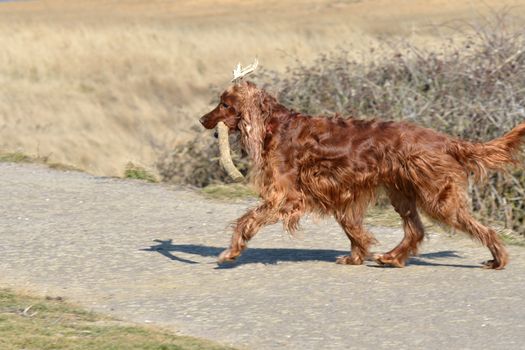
(276, 255)
(250, 256)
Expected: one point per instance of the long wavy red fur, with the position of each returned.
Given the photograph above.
(334, 166)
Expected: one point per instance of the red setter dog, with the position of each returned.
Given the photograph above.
(333, 166)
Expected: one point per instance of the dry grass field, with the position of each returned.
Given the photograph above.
(96, 84)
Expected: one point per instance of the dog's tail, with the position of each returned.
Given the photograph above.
(477, 158)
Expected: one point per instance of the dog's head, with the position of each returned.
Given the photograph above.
(231, 108)
(246, 109)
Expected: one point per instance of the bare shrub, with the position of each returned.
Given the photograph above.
(196, 162)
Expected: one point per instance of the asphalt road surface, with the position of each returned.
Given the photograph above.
(146, 253)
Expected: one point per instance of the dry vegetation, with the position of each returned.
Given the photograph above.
(100, 84)
(97, 84)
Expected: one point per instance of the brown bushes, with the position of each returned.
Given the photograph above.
(197, 162)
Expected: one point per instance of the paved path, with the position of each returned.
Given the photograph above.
(146, 253)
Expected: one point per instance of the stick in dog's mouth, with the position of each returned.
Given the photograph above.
(225, 155)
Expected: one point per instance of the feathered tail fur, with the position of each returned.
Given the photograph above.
(493, 155)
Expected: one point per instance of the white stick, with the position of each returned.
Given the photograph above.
(226, 158)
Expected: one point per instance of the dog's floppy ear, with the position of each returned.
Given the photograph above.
(266, 104)
(253, 122)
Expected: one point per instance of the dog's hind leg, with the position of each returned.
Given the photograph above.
(451, 207)
(487, 236)
(405, 206)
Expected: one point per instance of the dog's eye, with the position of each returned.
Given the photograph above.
(225, 105)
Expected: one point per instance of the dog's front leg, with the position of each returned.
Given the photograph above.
(360, 240)
(246, 227)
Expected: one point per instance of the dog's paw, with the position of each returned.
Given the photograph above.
(493, 264)
(349, 260)
(227, 256)
(388, 260)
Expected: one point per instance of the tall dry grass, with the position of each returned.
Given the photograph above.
(97, 84)
(98, 93)
(93, 97)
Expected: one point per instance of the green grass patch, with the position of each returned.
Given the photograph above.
(36, 323)
(19, 157)
(228, 192)
(137, 172)
(511, 238)
(15, 157)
